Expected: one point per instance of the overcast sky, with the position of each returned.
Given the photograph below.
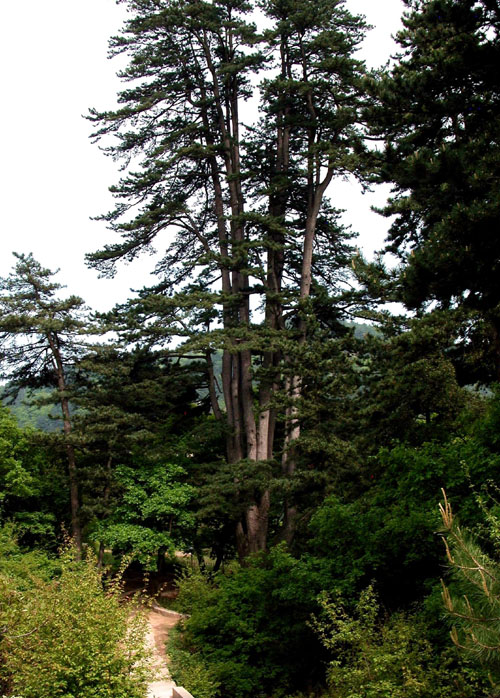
(53, 179)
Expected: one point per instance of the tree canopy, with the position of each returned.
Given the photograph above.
(239, 206)
(438, 110)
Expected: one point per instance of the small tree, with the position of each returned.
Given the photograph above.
(40, 340)
(133, 406)
(475, 610)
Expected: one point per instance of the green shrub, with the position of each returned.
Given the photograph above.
(389, 532)
(32, 484)
(22, 568)
(70, 638)
(190, 671)
(391, 659)
(249, 628)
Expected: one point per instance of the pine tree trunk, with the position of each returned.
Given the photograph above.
(251, 532)
(70, 451)
(317, 191)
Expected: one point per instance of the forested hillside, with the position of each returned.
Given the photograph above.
(329, 466)
(30, 410)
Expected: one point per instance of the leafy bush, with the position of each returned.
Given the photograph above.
(249, 628)
(391, 659)
(20, 568)
(265, 631)
(33, 490)
(153, 515)
(190, 671)
(70, 638)
(389, 532)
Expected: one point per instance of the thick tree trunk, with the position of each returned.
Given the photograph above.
(251, 532)
(251, 418)
(214, 400)
(289, 465)
(288, 462)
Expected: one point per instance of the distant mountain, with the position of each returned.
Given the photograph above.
(361, 329)
(28, 414)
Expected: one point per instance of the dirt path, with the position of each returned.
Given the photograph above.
(159, 626)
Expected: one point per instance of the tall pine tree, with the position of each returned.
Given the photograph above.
(439, 112)
(41, 338)
(240, 211)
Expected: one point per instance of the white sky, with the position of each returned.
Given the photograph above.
(53, 179)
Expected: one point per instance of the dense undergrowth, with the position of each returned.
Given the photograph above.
(63, 634)
(267, 630)
(355, 611)
(352, 609)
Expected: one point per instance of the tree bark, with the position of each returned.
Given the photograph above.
(70, 451)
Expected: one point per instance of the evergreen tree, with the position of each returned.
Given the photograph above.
(408, 384)
(473, 602)
(133, 408)
(439, 112)
(249, 237)
(41, 337)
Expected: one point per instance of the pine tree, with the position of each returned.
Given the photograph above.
(249, 238)
(41, 337)
(439, 112)
(473, 603)
(130, 405)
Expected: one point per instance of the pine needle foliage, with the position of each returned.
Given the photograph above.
(438, 109)
(236, 204)
(473, 601)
